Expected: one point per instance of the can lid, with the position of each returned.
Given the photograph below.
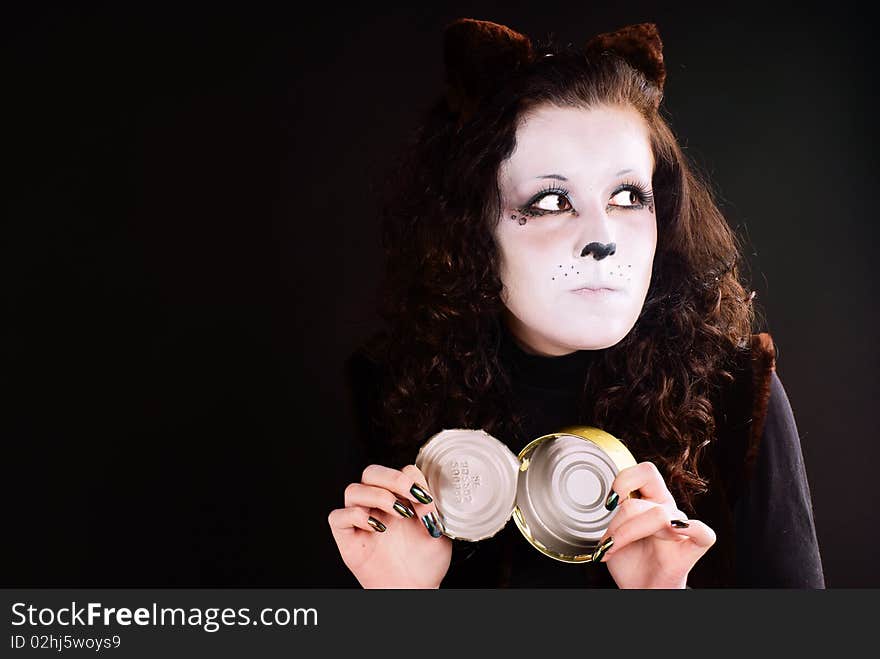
(562, 487)
(473, 478)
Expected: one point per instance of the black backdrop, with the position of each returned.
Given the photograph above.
(190, 252)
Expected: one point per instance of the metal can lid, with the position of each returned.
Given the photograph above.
(473, 478)
(565, 480)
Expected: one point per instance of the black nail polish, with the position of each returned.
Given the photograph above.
(432, 524)
(612, 500)
(404, 510)
(376, 524)
(441, 521)
(602, 549)
(420, 494)
(677, 523)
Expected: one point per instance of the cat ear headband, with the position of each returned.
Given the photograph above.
(480, 55)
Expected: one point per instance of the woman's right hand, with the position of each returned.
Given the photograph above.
(405, 554)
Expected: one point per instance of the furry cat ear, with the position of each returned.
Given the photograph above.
(478, 55)
(639, 45)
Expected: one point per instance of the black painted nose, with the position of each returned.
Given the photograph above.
(599, 250)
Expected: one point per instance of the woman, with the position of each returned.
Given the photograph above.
(553, 260)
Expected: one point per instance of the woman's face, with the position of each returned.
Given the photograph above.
(576, 177)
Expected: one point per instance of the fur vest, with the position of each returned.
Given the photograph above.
(740, 417)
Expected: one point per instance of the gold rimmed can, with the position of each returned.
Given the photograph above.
(555, 489)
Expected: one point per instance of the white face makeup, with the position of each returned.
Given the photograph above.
(605, 157)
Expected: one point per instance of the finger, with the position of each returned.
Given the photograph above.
(628, 509)
(701, 534)
(633, 507)
(415, 475)
(428, 513)
(655, 521)
(409, 486)
(377, 497)
(346, 520)
(645, 479)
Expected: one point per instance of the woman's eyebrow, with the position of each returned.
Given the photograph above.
(560, 177)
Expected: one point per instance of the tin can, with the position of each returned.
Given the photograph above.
(555, 489)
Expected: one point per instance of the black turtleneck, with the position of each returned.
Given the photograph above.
(774, 529)
(540, 372)
(546, 389)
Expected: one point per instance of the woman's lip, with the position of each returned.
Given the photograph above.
(589, 290)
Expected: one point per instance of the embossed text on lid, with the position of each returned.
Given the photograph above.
(473, 478)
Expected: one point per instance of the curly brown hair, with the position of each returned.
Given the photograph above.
(657, 389)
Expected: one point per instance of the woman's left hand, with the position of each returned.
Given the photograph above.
(648, 550)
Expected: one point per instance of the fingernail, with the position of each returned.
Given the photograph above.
(601, 549)
(404, 510)
(611, 501)
(677, 523)
(420, 494)
(432, 524)
(376, 524)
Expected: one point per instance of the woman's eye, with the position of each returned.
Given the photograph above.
(553, 202)
(626, 198)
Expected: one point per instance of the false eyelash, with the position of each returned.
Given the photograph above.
(646, 197)
(550, 189)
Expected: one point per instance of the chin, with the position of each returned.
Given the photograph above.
(598, 335)
(600, 343)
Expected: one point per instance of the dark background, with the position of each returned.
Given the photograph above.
(190, 252)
